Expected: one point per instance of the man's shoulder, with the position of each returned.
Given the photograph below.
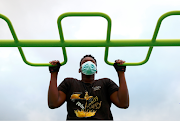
(70, 79)
(104, 79)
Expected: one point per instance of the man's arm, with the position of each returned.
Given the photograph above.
(55, 98)
(121, 97)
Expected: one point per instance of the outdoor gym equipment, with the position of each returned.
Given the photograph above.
(89, 43)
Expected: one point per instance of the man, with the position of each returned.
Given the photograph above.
(88, 99)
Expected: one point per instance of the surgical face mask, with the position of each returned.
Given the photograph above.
(88, 68)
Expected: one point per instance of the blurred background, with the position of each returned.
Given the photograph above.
(153, 87)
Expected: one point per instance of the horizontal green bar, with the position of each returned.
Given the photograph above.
(90, 43)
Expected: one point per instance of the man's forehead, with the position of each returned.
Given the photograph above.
(88, 58)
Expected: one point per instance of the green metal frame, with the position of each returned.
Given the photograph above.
(89, 43)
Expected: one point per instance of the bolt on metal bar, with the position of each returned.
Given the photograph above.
(90, 43)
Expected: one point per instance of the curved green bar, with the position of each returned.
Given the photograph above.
(10, 27)
(160, 21)
(20, 49)
(153, 41)
(14, 37)
(128, 64)
(89, 43)
(85, 14)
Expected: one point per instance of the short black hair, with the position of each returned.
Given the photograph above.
(88, 56)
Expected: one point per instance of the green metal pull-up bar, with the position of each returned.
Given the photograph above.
(89, 43)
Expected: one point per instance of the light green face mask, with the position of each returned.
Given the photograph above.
(88, 68)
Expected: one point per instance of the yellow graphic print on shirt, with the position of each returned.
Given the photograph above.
(89, 109)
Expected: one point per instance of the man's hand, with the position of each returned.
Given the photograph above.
(121, 97)
(119, 61)
(54, 68)
(55, 98)
(119, 68)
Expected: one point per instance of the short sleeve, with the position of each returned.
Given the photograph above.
(64, 86)
(111, 87)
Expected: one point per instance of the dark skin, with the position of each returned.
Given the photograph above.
(119, 98)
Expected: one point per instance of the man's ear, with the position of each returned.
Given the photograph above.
(79, 69)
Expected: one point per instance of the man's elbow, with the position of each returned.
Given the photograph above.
(52, 106)
(126, 107)
(123, 106)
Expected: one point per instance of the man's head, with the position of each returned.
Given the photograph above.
(88, 58)
(85, 59)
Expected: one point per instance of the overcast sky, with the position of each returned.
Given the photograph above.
(153, 87)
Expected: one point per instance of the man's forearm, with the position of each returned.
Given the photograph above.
(123, 94)
(53, 91)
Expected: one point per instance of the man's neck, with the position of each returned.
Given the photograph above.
(88, 78)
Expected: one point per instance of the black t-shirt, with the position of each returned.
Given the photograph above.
(88, 101)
